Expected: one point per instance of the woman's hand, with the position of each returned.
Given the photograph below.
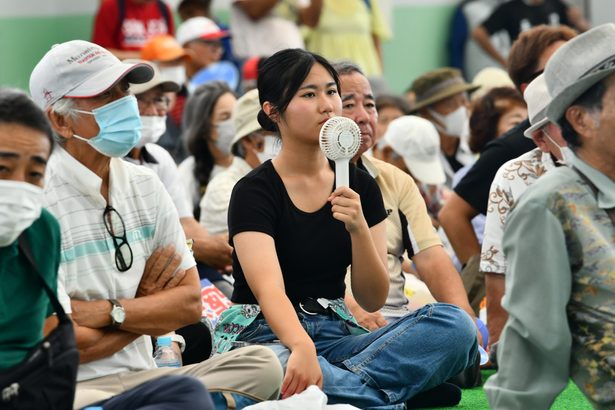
(346, 207)
(302, 370)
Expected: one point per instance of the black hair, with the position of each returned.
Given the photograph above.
(17, 108)
(392, 101)
(280, 77)
(197, 126)
(591, 100)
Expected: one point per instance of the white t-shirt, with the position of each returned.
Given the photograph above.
(512, 179)
(214, 204)
(161, 162)
(87, 269)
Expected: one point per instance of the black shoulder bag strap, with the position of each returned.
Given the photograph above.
(46, 378)
(24, 246)
(611, 211)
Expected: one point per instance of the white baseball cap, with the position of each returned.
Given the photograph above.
(537, 97)
(199, 28)
(417, 141)
(157, 80)
(80, 69)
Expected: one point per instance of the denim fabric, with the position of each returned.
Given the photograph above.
(241, 401)
(384, 368)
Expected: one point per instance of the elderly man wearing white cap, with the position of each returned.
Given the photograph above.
(512, 180)
(125, 272)
(559, 244)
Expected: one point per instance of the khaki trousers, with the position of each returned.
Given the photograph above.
(254, 370)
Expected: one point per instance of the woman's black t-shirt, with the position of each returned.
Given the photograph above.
(313, 249)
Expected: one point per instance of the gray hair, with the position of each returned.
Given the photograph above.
(346, 68)
(66, 108)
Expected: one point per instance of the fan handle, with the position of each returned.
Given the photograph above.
(341, 172)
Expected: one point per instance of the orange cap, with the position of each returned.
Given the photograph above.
(162, 48)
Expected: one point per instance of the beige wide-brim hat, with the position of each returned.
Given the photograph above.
(437, 85)
(577, 66)
(245, 115)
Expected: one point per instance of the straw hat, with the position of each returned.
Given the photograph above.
(437, 85)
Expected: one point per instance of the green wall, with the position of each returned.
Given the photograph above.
(418, 45)
(23, 41)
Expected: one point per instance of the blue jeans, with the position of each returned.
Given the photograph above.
(384, 368)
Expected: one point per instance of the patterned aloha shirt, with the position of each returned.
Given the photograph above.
(511, 180)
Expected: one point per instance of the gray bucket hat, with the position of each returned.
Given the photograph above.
(578, 65)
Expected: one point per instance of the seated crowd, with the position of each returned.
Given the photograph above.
(127, 185)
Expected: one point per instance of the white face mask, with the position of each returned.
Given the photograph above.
(270, 149)
(153, 126)
(177, 74)
(20, 206)
(226, 133)
(454, 123)
(565, 152)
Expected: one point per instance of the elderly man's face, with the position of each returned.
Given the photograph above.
(597, 136)
(359, 105)
(153, 102)
(85, 125)
(24, 152)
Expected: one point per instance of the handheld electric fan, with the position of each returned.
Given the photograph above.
(340, 138)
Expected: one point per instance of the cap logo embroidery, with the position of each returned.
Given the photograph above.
(86, 55)
(47, 95)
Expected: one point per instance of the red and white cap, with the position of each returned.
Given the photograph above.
(199, 28)
(80, 69)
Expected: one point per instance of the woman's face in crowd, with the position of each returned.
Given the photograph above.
(316, 100)
(385, 116)
(513, 116)
(222, 112)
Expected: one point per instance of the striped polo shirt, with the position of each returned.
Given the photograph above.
(87, 268)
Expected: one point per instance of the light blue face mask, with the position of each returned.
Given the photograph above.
(120, 127)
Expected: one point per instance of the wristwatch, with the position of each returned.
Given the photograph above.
(118, 315)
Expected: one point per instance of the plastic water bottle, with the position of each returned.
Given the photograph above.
(165, 356)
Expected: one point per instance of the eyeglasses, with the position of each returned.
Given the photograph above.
(160, 103)
(116, 228)
(216, 44)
